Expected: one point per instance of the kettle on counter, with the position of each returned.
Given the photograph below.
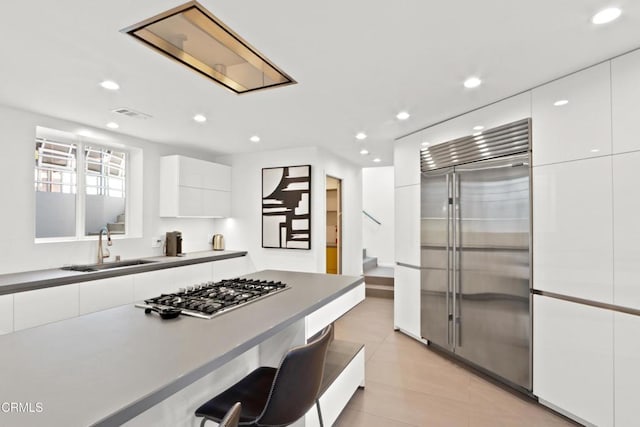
(218, 242)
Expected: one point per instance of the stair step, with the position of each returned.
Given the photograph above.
(379, 280)
(379, 291)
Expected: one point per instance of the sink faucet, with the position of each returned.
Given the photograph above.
(103, 252)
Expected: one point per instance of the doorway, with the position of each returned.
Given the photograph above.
(334, 225)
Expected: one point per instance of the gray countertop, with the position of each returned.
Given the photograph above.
(107, 367)
(31, 280)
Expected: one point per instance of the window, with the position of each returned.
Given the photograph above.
(70, 204)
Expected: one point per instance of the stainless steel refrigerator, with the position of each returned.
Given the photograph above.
(475, 250)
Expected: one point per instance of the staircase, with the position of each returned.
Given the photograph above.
(378, 280)
(118, 226)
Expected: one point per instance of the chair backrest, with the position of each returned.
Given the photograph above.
(297, 382)
(232, 417)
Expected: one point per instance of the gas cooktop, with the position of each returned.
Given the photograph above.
(210, 299)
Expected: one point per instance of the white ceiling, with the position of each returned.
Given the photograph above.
(357, 63)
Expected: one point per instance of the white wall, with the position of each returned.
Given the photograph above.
(377, 200)
(243, 230)
(17, 216)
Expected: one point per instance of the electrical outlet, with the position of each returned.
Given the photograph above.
(156, 242)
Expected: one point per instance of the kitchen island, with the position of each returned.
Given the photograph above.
(121, 366)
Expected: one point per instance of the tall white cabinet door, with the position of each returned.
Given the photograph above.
(626, 226)
(627, 369)
(34, 308)
(406, 161)
(573, 358)
(6, 314)
(579, 129)
(625, 97)
(407, 224)
(406, 299)
(572, 229)
(105, 293)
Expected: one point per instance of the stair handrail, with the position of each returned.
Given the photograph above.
(368, 215)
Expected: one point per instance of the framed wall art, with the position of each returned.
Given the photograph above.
(286, 207)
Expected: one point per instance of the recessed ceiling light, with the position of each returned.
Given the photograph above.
(424, 144)
(561, 102)
(595, 150)
(478, 127)
(110, 85)
(606, 15)
(254, 138)
(85, 132)
(403, 115)
(199, 118)
(377, 160)
(477, 134)
(484, 149)
(361, 136)
(472, 82)
(364, 152)
(113, 125)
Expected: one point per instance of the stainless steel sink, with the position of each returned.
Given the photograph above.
(108, 265)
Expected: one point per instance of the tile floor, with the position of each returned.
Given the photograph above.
(409, 385)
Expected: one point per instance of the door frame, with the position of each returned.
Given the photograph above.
(338, 219)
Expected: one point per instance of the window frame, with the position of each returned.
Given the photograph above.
(81, 186)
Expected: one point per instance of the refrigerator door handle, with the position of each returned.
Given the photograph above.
(448, 289)
(457, 244)
(453, 280)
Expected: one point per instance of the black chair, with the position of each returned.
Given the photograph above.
(276, 396)
(232, 418)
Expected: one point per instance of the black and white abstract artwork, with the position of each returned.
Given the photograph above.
(286, 207)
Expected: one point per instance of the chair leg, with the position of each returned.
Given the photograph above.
(319, 413)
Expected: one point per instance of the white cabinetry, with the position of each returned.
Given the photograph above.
(407, 224)
(33, 308)
(406, 160)
(105, 293)
(625, 96)
(192, 274)
(572, 229)
(626, 206)
(194, 188)
(6, 314)
(406, 300)
(232, 267)
(573, 359)
(579, 129)
(153, 283)
(627, 369)
(506, 111)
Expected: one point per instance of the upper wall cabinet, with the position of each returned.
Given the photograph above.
(506, 111)
(406, 159)
(625, 96)
(194, 188)
(572, 117)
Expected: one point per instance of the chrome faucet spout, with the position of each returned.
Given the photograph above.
(104, 252)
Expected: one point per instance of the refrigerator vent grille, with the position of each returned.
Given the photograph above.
(512, 138)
